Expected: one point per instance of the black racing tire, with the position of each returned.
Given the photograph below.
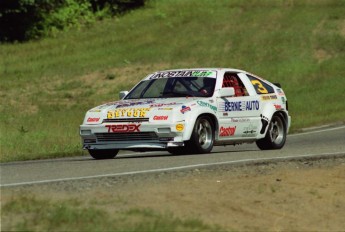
(178, 150)
(275, 136)
(201, 141)
(103, 153)
(202, 138)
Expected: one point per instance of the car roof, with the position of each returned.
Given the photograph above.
(207, 68)
(155, 74)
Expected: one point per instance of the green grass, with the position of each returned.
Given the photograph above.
(28, 213)
(48, 85)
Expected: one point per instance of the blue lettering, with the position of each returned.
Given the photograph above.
(233, 106)
(249, 105)
(252, 105)
(242, 106)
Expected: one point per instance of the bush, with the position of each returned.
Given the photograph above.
(22, 20)
(116, 6)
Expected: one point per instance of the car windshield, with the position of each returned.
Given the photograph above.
(174, 87)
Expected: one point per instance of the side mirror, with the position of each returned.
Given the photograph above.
(226, 92)
(123, 94)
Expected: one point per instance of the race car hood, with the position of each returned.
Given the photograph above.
(154, 109)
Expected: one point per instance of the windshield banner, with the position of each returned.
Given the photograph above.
(184, 73)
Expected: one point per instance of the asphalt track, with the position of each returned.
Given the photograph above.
(322, 142)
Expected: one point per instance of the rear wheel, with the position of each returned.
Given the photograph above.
(103, 153)
(275, 136)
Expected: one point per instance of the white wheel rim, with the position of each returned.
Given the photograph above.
(276, 131)
(204, 131)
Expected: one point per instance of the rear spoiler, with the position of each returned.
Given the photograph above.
(278, 85)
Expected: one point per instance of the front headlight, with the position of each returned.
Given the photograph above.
(85, 132)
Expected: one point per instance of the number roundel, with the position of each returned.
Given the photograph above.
(259, 87)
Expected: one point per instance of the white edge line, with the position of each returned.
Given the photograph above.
(168, 169)
(318, 131)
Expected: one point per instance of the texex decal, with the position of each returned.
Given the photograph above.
(123, 128)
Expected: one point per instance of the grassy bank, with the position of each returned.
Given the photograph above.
(73, 215)
(47, 85)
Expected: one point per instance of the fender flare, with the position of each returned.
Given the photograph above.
(266, 116)
(191, 119)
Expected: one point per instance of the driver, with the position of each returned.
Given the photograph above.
(208, 86)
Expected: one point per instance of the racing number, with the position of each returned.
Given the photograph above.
(259, 87)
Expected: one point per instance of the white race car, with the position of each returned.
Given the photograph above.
(189, 111)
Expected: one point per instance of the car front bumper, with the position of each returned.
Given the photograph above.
(132, 136)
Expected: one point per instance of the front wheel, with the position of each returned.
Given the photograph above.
(275, 136)
(103, 153)
(202, 138)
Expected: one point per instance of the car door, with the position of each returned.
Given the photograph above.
(239, 115)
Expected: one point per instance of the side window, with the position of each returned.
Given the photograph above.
(260, 86)
(232, 80)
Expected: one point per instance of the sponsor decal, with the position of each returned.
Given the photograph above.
(264, 122)
(130, 112)
(92, 119)
(240, 119)
(184, 73)
(249, 131)
(278, 107)
(241, 105)
(269, 97)
(164, 104)
(227, 131)
(283, 100)
(160, 117)
(165, 108)
(185, 109)
(123, 128)
(205, 104)
(131, 103)
(280, 92)
(179, 127)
